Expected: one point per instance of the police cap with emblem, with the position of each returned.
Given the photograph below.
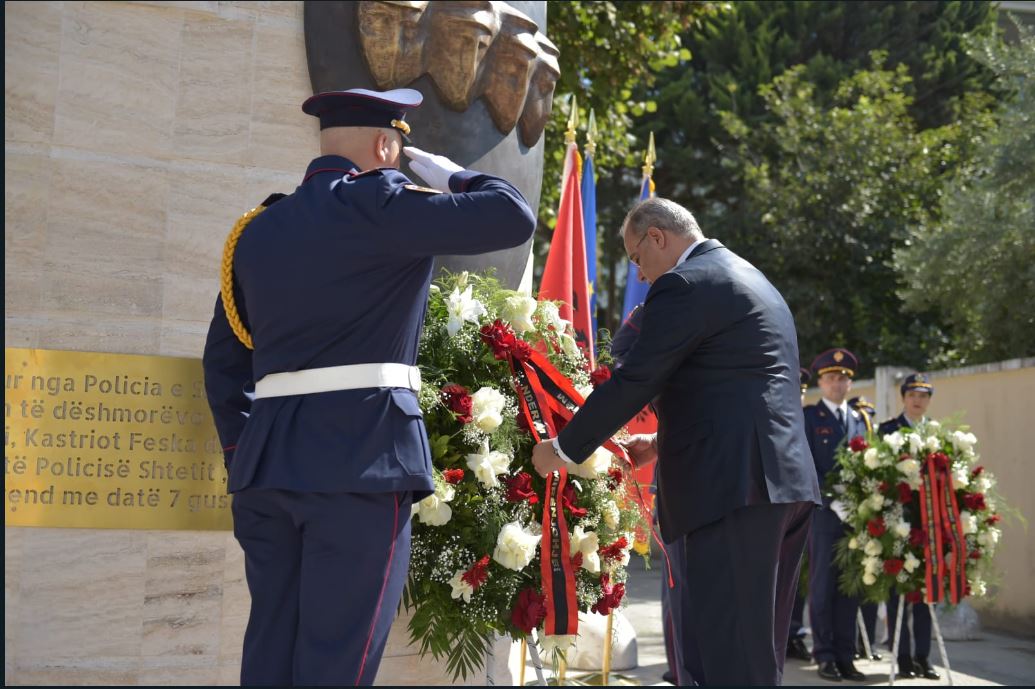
(364, 108)
(838, 360)
(917, 381)
(862, 404)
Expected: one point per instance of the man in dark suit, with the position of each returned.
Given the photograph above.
(323, 306)
(916, 392)
(717, 354)
(829, 424)
(796, 647)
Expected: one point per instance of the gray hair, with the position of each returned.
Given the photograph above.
(663, 214)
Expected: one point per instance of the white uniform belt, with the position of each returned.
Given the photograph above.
(332, 378)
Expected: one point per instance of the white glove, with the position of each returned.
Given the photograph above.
(433, 169)
(840, 509)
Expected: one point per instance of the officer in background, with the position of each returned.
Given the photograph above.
(868, 610)
(916, 392)
(796, 637)
(323, 300)
(829, 424)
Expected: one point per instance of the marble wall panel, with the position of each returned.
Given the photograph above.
(85, 596)
(213, 111)
(12, 594)
(283, 137)
(27, 185)
(183, 339)
(32, 47)
(80, 671)
(87, 333)
(119, 78)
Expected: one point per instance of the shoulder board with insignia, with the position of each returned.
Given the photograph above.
(373, 172)
(426, 190)
(272, 199)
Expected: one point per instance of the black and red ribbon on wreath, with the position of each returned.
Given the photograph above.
(548, 401)
(940, 517)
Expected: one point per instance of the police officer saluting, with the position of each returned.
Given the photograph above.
(323, 298)
(916, 396)
(829, 424)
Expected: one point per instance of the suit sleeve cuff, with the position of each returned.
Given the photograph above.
(461, 181)
(560, 452)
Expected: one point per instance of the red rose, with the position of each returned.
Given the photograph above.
(458, 399)
(616, 477)
(905, 493)
(883, 487)
(914, 597)
(611, 596)
(519, 487)
(994, 519)
(568, 502)
(975, 554)
(614, 551)
(941, 460)
(600, 374)
(528, 611)
(893, 567)
(500, 339)
(974, 501)
(978, 470)
(917, 538)
(453, 476)
(576, 561)
(522, 350)
(858, 444)
(478, 573)
(876, 527)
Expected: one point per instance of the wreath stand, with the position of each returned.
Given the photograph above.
(937, 635)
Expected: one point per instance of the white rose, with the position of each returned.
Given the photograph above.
(983, 483)
(611, 515)
(853, 543)
(515, 546)
(488, 464)
(597, 463)
(871, 564)
(433, 509)
(517, 310)
(872, 548)
(901, 529)
(911, 563)
(916, 443)
(551, 315)
(587, 543)
(869, 579)
(908, 467)
(961, 476)
(964, 441)
(487, 409)
(978, 587)
(933, 424)
(870, 458)
(876, 502)
(969, 522)
(462, 307)
(461, 589)
(932, 443)
(895, 441)
(989, 537)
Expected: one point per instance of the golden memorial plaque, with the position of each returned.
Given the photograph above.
(110, 441)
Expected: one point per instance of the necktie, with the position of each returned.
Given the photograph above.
(841, 420)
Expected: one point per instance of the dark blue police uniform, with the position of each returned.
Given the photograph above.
(832, 614)
(336, 274)
(921, 631)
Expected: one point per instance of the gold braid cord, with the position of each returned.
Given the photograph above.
(226, 278)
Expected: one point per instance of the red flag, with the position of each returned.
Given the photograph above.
(565, 278)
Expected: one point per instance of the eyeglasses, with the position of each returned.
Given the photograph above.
(634, 258)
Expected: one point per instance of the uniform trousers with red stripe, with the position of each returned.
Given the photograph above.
(326, 572)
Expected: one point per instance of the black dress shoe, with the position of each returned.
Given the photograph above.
(923, 669)
(849, 672)
(876, 656)
(829, 671)
(905, 669)
(669, 677)
(796, 649)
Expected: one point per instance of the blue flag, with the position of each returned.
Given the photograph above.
(589, 223)
(635, 289)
